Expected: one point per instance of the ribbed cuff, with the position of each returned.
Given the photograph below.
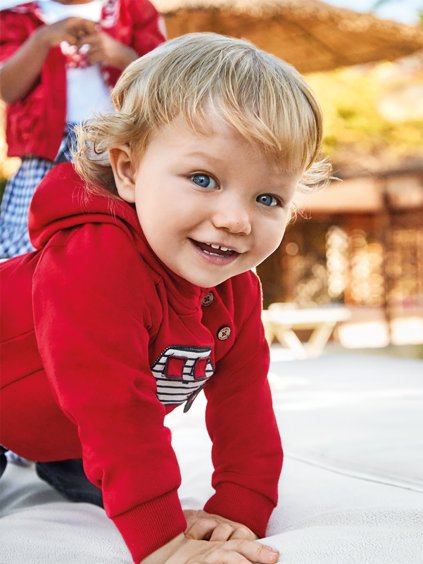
(151, 525)
(242, 505)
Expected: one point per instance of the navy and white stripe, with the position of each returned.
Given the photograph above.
(176, 389)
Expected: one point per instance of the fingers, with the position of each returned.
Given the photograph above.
(69, 38)
(88, 27)
(206, 526)
(76, 27)
(190, 513)
(222, 557)
(243, 533)
(88, 42)
(79, 25)
(227, 531)
(236, 552)
(254, 551)
(229, 552)
(96, 48)
(91, 47)
(222, 532)
(201, 529)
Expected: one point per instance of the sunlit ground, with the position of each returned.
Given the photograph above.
(404, 339)
(404, 331)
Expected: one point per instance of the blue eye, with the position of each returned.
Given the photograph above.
(204, 181)
(267, 200)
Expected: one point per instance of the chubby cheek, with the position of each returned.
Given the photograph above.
(164, 234)
(269, 240)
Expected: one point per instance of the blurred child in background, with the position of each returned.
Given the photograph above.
(60, 59)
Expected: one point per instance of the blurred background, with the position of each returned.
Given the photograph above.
(349, 272)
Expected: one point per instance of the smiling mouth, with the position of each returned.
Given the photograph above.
(213, 249)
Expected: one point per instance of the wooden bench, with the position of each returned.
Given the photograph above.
(281, 321)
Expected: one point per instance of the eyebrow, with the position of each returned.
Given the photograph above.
(207, 156)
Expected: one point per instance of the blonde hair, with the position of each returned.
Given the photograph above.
(262, 97)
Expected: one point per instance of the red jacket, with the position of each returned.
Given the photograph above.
(35, 124)
(100, 341)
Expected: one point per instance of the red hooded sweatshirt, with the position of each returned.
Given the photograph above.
(99, 341)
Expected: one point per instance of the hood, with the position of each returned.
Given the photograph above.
(62, 201)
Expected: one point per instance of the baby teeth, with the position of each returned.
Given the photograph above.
(213, 246)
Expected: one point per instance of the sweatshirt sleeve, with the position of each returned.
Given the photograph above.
(246, 451)
(92, 325)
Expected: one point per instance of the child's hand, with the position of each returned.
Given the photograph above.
(72, 30)
(21, 71)
(185, 551)
(100, 47)
(206, 526)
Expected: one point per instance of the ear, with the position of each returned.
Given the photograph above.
(123, 172)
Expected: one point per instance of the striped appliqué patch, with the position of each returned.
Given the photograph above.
(181, 372)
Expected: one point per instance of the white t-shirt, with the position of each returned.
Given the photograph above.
(87, 93)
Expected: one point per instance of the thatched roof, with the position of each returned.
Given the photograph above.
(310, 34)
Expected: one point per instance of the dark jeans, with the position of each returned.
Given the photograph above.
(65, 476)
(3, 460)
(69, 479)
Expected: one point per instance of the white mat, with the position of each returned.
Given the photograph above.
(351, 489)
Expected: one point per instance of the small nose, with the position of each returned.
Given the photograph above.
(232, 216)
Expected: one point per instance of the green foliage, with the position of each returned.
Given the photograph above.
(351, 103)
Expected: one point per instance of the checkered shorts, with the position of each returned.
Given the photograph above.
(14, 237)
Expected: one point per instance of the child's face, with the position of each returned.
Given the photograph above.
(210, 206)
